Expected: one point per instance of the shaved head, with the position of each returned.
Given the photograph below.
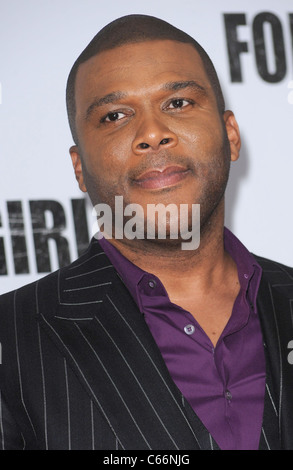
(133, 29)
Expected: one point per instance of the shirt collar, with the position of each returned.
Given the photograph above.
(130, 274)
(249, 271)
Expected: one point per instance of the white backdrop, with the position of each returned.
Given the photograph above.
(39, 41)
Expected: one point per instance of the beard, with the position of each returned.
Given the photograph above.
(210, 181)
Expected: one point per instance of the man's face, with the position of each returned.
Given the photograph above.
(149, 128)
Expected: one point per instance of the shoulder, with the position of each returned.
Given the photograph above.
(45, 291)
(26, 298)
(274, 270)
(277, 278)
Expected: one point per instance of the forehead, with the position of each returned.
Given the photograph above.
(138, 66)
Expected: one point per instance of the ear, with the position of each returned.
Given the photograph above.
(77, 165)
(233, 134)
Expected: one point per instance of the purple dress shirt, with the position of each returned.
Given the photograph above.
(225, 385)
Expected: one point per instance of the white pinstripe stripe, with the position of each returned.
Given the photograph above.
(84, 378)
(18, 362)
(114, 385)
(92, 426)
(282, 285)
(88, 287)
(211, 442)
(154, 365)
(88, 272)
(68, 405)
(44, 389)
(139, 384)
(271, 398)
(74, 319)
(280, 359)
(82, 303)
(24, 443)
(1, 423)
(58, 286)
(86, 261)
(265, 438)
(42, 371)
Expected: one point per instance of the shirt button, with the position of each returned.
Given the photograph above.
(228, 395)
(189, 329)
(152, 283)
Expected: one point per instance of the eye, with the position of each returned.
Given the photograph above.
(112, 117)
(178, 103)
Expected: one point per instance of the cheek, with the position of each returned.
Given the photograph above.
(103, 151)
(202, 136)
(104, 161)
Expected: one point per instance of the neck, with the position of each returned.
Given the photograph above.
(203, 264)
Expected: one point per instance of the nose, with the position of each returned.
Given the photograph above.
(152, 135)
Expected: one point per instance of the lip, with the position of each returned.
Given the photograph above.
(158, 178)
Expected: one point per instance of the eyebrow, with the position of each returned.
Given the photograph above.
(118, 95)
(109, 98)
(180, 85)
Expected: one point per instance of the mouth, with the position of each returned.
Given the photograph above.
(161, 178)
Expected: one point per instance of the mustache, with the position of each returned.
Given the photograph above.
(161, 161)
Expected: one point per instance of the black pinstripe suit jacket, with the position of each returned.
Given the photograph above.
(80, 368)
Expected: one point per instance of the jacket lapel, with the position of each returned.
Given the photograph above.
(275, 311)
(100, 330)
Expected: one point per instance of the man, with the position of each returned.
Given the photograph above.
(141, 344)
